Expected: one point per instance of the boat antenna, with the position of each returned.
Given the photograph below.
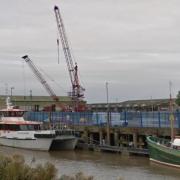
(8, 102)
(58, 49)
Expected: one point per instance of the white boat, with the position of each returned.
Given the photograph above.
(19, 133)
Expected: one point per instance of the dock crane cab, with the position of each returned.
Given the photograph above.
(77, 93)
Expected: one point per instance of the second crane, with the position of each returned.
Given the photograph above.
(77, 93)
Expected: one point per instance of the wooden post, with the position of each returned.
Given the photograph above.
(116, 139)
(135, 140)
(100, 137)
(91, 138)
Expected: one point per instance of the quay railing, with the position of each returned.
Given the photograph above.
(154, 119)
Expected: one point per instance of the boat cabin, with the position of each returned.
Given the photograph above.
(176, 143)
(12, 120)
(16, 126)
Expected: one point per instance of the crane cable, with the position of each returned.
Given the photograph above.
(51, 79)
(24, 79)
(72, 54)
(58, 49)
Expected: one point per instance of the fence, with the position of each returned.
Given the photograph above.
(117, 119)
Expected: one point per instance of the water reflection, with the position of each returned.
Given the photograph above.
(103, 166)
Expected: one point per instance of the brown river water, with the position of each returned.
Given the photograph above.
(101, 165)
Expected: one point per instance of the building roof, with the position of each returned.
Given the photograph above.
(134, 103)
(35, 98)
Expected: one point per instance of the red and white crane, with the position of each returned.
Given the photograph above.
(40, 78)
(77, 93)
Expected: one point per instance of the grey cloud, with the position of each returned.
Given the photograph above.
(134, 45)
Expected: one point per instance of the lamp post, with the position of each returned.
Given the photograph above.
(107, 95)
(108, 118)
(30, 95)
(171, 116)
(12, 90)
(152, 106)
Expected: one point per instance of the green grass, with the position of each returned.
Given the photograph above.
(15, 168)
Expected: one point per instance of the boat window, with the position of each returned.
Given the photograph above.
(6, 114)
(37, 127)
(11, 127)
(19, 114)
(1, 126)
(6, 126)
(14, 127)
(23, 127)
(30, 127)
(12, 113)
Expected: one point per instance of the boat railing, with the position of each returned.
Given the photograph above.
(64, 132)
(161, 141)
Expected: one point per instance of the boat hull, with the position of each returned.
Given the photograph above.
(42, 144)
(64, 143)
(162, 154)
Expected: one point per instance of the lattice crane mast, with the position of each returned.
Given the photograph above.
(77, 93)
(40, 78)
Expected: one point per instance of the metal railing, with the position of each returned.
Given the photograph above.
(117, 119)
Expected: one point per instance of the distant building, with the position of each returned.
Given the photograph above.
(38, 103)
(133, 105)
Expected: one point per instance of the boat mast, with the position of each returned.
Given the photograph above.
(171, 116)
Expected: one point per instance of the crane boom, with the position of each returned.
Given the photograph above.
(77, 89)
(40, 78)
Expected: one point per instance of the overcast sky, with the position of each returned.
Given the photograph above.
(132, 45)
